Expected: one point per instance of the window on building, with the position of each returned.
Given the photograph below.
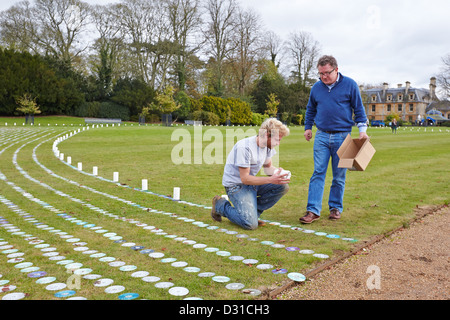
(388, 108)
(400, 107)
(400, 97)
(374, 98)
(411, 107)
(389, 97)
(410, 119)
(374, 108)
(411, 96)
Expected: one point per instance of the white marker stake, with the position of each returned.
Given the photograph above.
(80, 166)
(176, 193)
(95, 171)
(116, 177)
(144, 184)
(69, 160)
(61, 156)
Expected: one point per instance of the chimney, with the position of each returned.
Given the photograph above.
(408, 85)
(433, 88)
(399, 85)
(385, 88)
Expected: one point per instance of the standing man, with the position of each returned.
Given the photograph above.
(249, 194)
(332, 103)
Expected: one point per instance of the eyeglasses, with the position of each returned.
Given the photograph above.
(321, 74)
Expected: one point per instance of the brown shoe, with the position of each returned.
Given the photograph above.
(214, 215)
(335, 214)
(309, 217)
(261, 223)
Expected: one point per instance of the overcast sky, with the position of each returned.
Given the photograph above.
(374, 41)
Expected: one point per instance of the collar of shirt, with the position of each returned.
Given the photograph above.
(334, 83)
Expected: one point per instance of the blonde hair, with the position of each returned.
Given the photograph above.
(274, 127)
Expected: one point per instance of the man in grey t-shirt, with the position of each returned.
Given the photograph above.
(249, 194)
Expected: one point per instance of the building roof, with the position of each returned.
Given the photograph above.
(420, 95)
(443, 106)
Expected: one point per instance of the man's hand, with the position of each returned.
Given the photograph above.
(276, 178)
(363, 135)
(308, 134)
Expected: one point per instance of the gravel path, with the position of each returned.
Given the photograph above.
(410, 264)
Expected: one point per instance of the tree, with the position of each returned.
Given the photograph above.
(218, 34)
(58, 89)
(304, 52)
(165, 102)
(270, 81)
(17, 28)
(28, 106)
(247, 44)
(184, 19)
(132, 93)
(108, 46)
(273, 45)
(443, 77)
(272, 106)
(50, 27)
(144, 28)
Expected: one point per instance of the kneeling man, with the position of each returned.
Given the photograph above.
(251, 195)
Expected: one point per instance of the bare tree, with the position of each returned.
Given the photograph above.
(443, 77)
(220, 25)
(108, 47)
(54, 27)
(304, 52)
(18, 28)
(273, 45)
(144, 27)
(185, 22)
(60, 25)
(247, 46)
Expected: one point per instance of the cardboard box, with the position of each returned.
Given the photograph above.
(355, 154)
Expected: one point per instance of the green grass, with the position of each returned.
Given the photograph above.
(43, 121)
(408, 169)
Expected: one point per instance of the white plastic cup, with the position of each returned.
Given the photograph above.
(176, 193)
(144, 184)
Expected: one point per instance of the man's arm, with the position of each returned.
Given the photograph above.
(360, 113)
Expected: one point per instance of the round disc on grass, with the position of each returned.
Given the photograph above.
(220, 279)
(128, 296)
(178, 291)
(66, 293)
(56, 286)
(279, 271)
(298, 277)
(235, 286)
(14, 296)
(114, 289)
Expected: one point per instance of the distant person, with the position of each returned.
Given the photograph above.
(251, 195)
(332, 103)
(394, 125)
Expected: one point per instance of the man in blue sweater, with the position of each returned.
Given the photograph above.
(332, 103)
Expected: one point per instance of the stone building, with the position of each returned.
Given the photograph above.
(408, 102)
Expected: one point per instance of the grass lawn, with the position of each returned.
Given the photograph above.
(408, 169)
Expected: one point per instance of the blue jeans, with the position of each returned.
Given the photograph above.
(326, 146)
(249, 202)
